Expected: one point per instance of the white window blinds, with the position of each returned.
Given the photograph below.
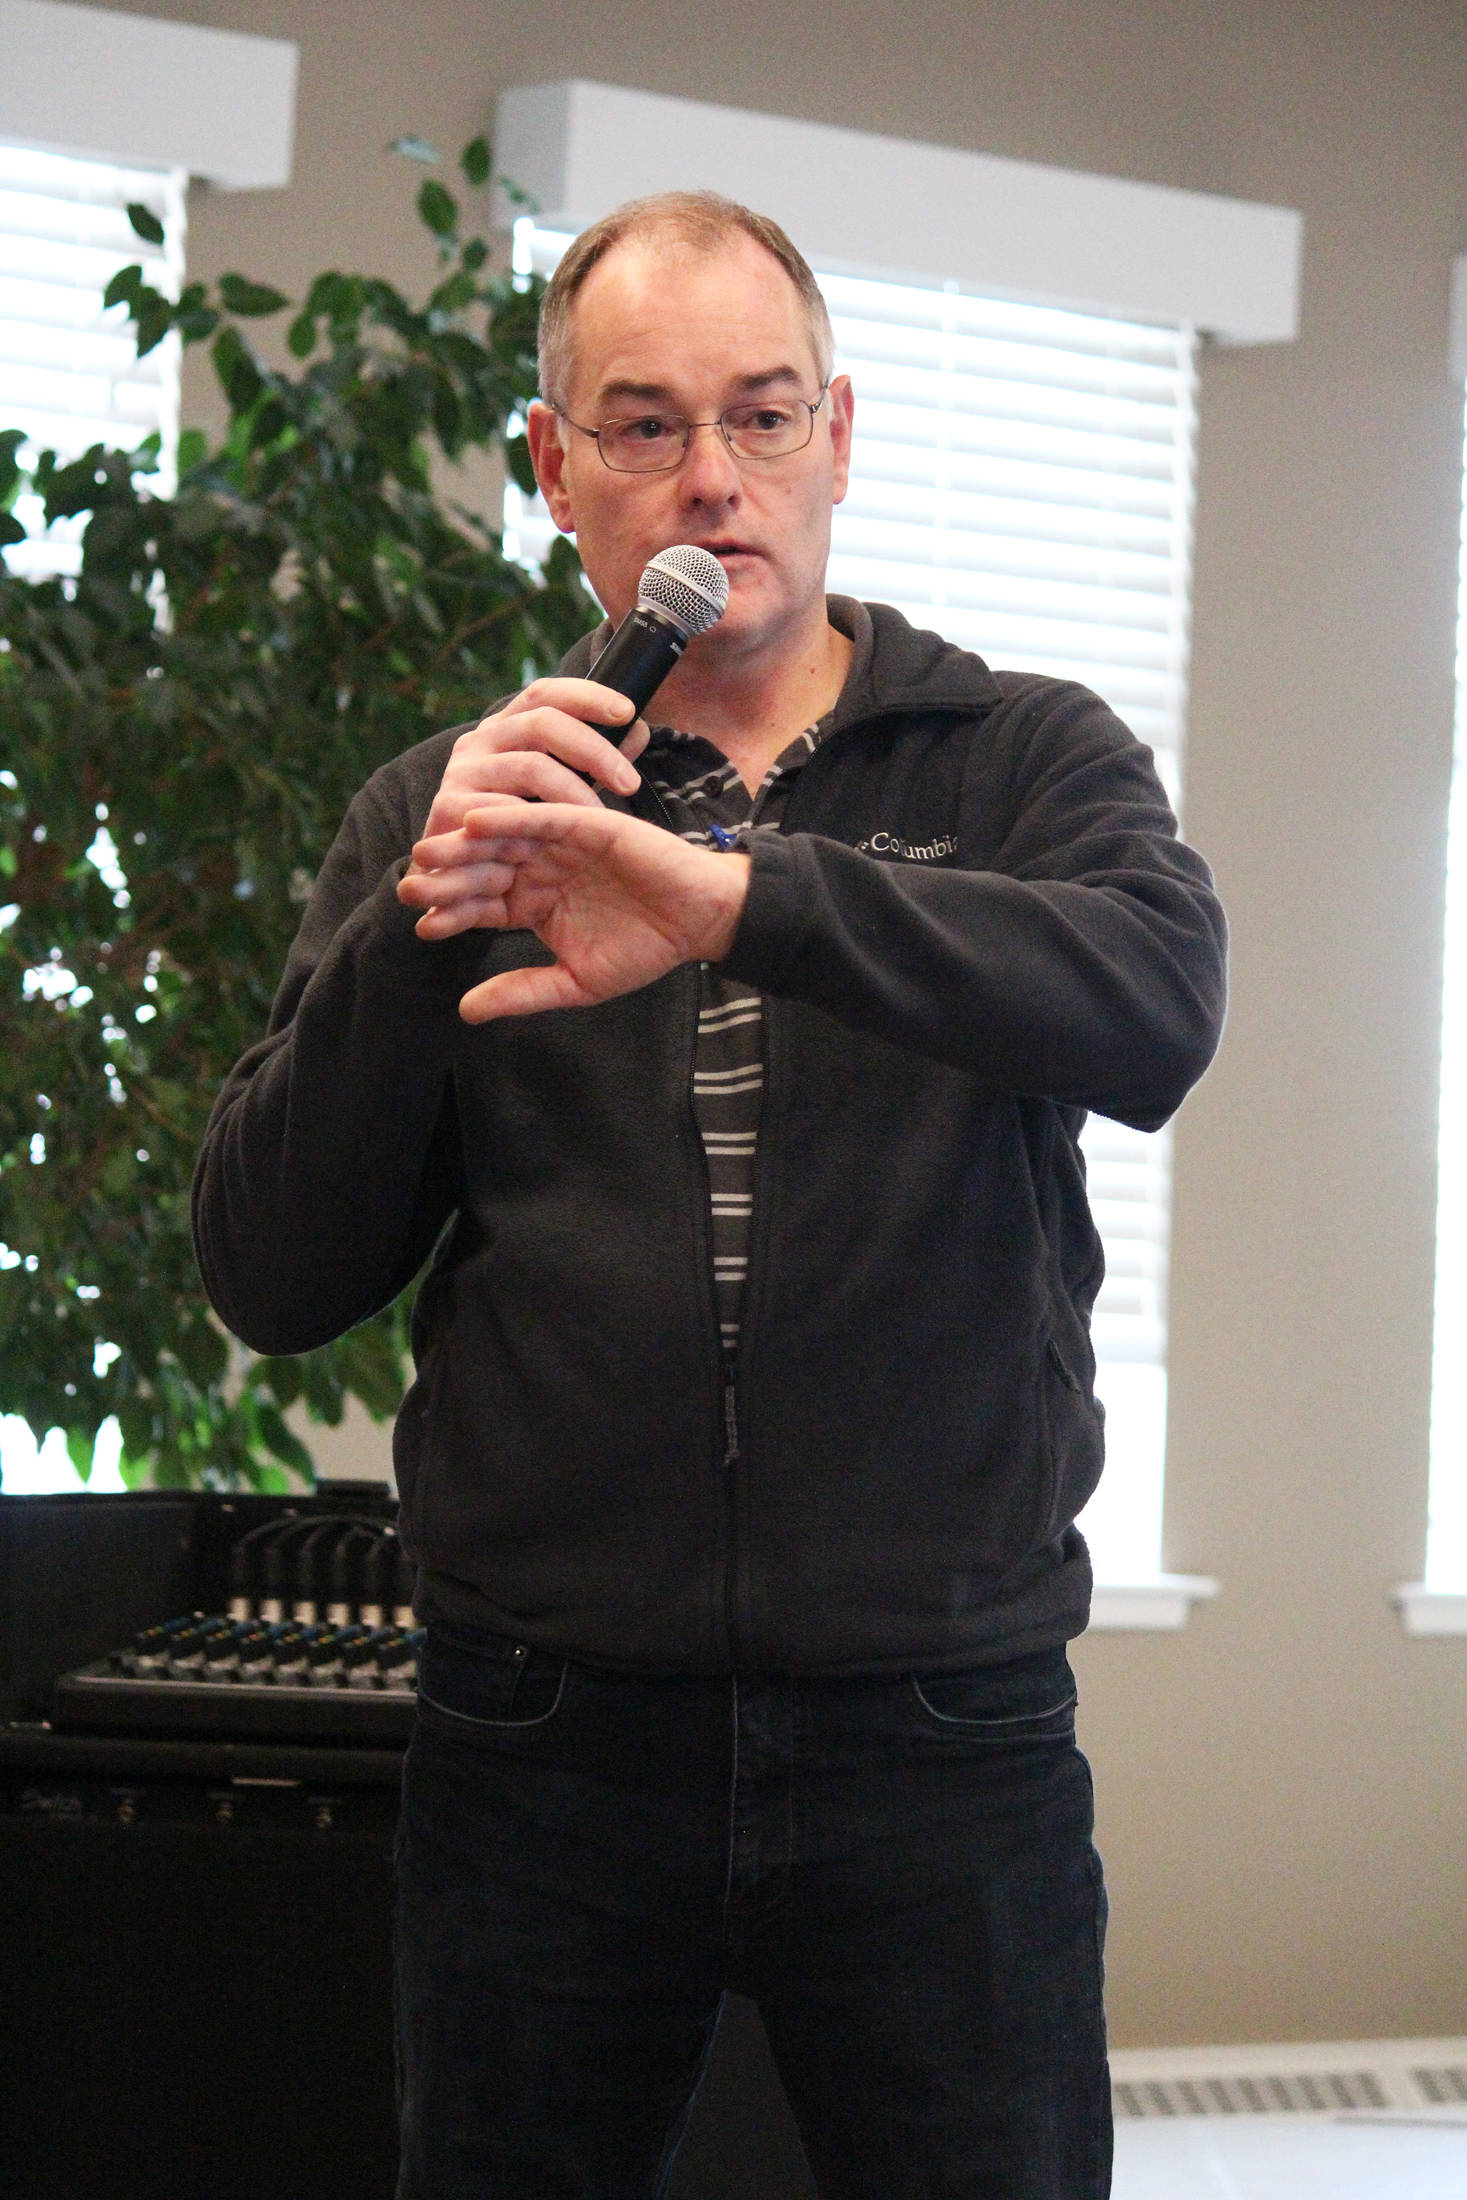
(68, 371)
(1021, 481)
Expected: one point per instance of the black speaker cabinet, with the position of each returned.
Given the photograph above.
(198, 1993)
(195, 1936)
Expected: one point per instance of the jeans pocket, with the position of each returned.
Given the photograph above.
(488, 1683)
(1021, 1700)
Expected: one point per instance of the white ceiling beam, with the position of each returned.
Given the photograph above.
(91, 81)
(866, 205)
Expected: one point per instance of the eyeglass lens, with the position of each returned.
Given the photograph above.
(654, 441)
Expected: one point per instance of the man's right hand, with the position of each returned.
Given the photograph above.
(542, 746)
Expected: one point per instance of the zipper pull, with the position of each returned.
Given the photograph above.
(730, 1422)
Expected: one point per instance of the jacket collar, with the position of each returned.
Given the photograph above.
(898, 667)
(894, 667)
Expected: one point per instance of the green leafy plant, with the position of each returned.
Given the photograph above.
(182, 726)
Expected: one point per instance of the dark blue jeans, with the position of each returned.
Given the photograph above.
(898, 1871)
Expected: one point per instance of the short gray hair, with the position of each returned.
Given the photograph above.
(701, 219)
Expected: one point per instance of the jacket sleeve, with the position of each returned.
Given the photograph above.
(330, 1163)
(1075, 951)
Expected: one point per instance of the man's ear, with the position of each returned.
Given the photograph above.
(547, 451)
(841, 401)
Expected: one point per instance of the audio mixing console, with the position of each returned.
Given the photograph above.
(318, 1642)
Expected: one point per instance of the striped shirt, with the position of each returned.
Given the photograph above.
(709, 804)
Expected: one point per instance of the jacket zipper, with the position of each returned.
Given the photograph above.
(731, 1499)
(728, 1423)
(730, 1418)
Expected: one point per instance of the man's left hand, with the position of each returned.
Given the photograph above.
(619, 902)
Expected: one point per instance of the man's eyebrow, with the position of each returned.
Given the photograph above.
(770, 376)
(641, 393)
(623, 391)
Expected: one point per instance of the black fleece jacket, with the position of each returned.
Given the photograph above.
(976, 923)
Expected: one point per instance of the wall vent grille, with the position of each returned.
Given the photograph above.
(1424, 2080)
(1305, 2093)
(1443, 2088)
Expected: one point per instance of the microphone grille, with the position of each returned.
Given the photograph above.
(688, 584)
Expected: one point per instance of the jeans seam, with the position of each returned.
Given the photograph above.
(1012, 1718)
(513, 1726)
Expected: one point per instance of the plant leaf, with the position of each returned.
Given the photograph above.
(239, 377)
(145, 222)
(124, 286)
(438, 208)
(154, 317)
(283, 1441)
(250, 299)
(80, 1444)
(475, 162)
(452, 296)
(521, 465)
(517, 195)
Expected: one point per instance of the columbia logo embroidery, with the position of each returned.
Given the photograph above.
(888, 844)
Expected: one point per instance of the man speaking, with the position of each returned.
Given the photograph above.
(732, 1075)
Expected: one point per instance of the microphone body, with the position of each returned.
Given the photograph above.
(682, 592)
(638, 658)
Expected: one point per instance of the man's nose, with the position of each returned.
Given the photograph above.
(709, 473)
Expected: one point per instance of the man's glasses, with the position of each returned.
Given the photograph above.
(653, 443)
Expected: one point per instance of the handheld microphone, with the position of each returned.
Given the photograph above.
(682, 592)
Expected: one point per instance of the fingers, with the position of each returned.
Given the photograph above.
(461, 873)
(512, 832)
(584, 699)
(456, 903)
(457, 882)
(440, 923)
(465, 878)
(543, 746)
(494, 836)
(589, 825)
(522, 993)
(530, 774)
(617, 900)
(563, 717)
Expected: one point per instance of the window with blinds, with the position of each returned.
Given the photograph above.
(1021, 481)
(69, 375)
(1446, 1542)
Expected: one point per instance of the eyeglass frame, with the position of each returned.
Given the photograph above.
(750, 458)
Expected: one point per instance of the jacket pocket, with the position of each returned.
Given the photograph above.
(1072, 1440)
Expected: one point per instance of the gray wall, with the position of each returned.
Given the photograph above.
(1280, 1786)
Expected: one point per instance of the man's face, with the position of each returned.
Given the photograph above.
(660, 327)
